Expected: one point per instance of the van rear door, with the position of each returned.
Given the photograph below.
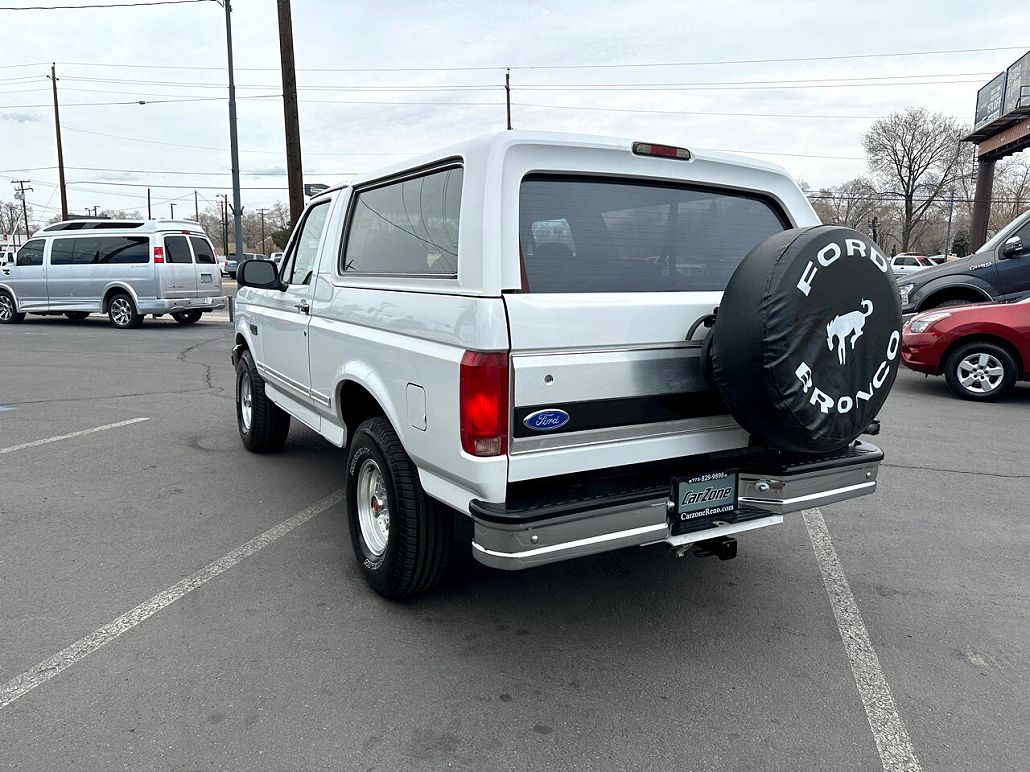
(178, 276)
(209, 277)
(615, 273)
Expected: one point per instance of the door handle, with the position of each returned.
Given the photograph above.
(302, 306)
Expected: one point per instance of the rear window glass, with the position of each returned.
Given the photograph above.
(203, 250)
(177, 250)
(591, 235)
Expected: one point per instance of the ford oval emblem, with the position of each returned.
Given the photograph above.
(546, 420)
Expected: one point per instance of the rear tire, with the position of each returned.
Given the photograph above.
(122, 312)
(263, 425)
(187, 317)
(408, 550)
(980, 371)
(76, 316)
(8, 314)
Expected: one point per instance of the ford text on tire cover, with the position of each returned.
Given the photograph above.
(565, 345)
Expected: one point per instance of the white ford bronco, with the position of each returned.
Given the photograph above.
(575, 343)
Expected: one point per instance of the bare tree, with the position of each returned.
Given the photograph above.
(914, 156)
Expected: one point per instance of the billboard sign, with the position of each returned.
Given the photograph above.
(1018, 83)
(990, 101)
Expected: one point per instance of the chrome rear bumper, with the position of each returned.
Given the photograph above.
(516, 543)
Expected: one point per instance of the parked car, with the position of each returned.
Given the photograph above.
(909, 262)
(536, 353)
(221, 260)
(231, 264)
(998, 271)
(126, 269)
(276, 257)
(980, 350)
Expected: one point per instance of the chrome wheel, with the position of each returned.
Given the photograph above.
(246, 401)
(373, 508)
(980, 373)
(121, 311)
(6, 308)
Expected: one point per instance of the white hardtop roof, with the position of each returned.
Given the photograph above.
(487, 145)
(100, 227)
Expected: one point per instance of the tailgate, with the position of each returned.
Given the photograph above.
(625, 376)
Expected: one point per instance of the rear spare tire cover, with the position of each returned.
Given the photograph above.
(808, 338)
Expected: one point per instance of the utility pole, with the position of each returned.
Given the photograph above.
(874, 228)
(222, 200)
(196, 206)
(172, 207)
(234, 150)
(150, 215)
(294, 169)
(507, 95)
(23, 185)
(262, 213)
(60, 148)
(951, 211)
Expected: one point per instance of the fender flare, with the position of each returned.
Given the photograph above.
(118, 285)
(14, 296)
(365, 376)
(963, 282)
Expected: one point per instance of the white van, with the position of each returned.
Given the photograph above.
(126, 269)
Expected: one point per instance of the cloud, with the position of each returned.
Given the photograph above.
(20, 117)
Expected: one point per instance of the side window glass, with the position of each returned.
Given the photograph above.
(124, 249)
(31, 253)
(408, 227)
(63, 252)
(303, 258)
(202, 249)
(177, 250)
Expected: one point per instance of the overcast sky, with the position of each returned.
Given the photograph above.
(352, 121)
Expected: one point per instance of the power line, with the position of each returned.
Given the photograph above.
(502, 67)
(106, 5)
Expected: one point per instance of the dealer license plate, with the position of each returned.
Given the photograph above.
(700, 499)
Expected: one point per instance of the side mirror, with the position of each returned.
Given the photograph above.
(260, 274)
(1012, 247)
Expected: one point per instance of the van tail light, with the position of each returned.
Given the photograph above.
(159, 254)
(483, 398)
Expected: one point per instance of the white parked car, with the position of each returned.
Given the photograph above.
(519, 330)
(907, 263)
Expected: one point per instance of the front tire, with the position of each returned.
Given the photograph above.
(187, 317)
(8, 311)
(982, 372)
(402, 539)
(263, 425)
(122, 312)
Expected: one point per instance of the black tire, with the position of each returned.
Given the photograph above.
(951, 302)
(187, 317)
(268, 424)
(76, 316)
(420, 532)
(977, 364)
(122, 312)
(8, 315)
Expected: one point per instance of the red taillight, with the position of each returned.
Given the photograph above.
(663, 151)
(159, 254)
(483, 398)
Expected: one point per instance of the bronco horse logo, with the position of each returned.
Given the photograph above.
(847, 324)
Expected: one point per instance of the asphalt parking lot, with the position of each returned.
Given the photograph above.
(282, 658)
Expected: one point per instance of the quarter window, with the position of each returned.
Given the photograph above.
(177, 250)
(31, 253)
(408, 227)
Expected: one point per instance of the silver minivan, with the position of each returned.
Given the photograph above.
(125, 269)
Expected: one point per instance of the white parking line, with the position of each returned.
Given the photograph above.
(73, 434)
(83, 647)
(892, 740)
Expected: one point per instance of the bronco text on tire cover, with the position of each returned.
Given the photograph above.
(807, 342)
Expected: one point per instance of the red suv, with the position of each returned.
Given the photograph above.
(981, 350)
